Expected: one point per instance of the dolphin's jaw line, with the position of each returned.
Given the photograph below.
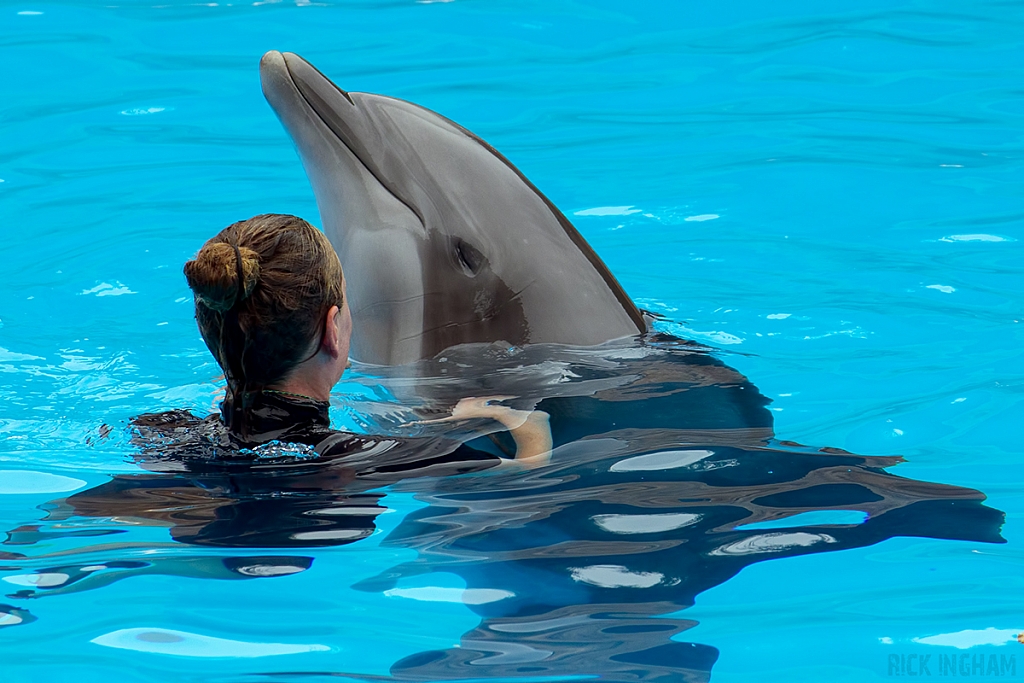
(285, 69)
(359, 212)
(493, 315)
(311, 105)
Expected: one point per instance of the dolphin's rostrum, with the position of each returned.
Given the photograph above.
(442, 240)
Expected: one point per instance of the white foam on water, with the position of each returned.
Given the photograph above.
(721, 337)
(30, 481)
(465, 596)
(8, 619)
(164, 641)
(142, 111)
(6, 355)
(645, 524)
(772, 543)
(615, 576)
(702, 217)
(604, 210)
(268, 570)
(969, 638)
(979, 237)
(684, 332)
(41, 580)
(107, 289)
(945, 289)
(332, 534)
(662, 460)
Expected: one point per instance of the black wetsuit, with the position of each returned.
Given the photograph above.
(292, 481)
(289, 431)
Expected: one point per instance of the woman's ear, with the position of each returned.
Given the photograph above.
(331, 340)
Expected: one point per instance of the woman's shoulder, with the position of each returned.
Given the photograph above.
(172, 426)
(170, 440)
(178, 440)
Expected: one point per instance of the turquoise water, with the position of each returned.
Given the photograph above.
(830, 198)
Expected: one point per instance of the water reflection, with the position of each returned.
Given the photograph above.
(666, 481)
(81, 576)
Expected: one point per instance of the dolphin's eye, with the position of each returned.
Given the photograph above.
(469, 256)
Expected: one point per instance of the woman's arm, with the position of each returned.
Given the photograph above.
(528, 428)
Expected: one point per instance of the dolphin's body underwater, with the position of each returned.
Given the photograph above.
(442, 240)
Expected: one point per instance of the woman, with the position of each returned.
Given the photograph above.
(270, 304)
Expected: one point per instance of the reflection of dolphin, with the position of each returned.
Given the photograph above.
(665, 482)
(443, 241)
(72, 578)
(596, 555)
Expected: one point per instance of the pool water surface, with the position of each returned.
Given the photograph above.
(828, 198)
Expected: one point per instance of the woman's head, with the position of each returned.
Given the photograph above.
(264, 288)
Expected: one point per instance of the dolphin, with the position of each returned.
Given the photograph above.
(442, 240)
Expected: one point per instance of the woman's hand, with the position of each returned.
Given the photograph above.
(474, 407)
(529, 428)
(485, 407)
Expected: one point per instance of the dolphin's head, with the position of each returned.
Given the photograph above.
(442, 240)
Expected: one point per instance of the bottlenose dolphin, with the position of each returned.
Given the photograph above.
(442, 240)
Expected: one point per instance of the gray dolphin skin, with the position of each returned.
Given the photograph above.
(442, 240)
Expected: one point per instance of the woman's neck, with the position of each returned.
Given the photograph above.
(300, 387)
(309, 378)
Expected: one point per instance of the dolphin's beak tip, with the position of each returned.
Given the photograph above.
(291, 59)
(271, 57)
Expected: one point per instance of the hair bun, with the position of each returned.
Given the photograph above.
(213, 275)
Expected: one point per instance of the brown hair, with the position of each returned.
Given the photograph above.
(262, 289)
